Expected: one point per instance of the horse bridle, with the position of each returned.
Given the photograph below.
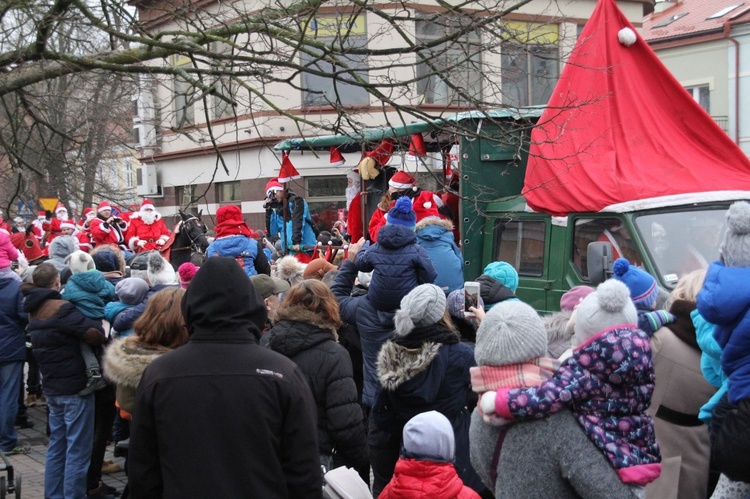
(193, 245)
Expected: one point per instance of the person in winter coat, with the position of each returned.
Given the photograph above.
(297, 231)
(59, 250)
(425, 469)
(130, 292)
(159, 330)
(607, 383)
(493, 291)
(644, 292)
(398, 264)
(424, 367)
(56, 328)
(305, 332)
(222, 416)
(680, 390)
(510, 349)
(724, 301)
(234, 239)
(435, 236)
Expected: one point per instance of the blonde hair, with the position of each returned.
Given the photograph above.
(688, 286)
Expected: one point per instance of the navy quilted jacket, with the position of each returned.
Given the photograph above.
(399, 266)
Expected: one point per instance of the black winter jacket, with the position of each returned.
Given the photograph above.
(57, 328)
(222, 416)
(307, 340)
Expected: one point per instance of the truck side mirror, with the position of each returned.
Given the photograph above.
(599, 261)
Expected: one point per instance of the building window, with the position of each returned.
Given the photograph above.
(449, 73)
(332, 91)
(184, 98)
(128, 172)
(326, 197)
(222, 108)
(521, 244)
(185, 195)
(530, 63)
(229, 192)
(702, 96)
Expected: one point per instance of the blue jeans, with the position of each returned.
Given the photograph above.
(11, 375)
(71, 424)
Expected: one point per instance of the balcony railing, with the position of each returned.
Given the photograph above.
(722, 121)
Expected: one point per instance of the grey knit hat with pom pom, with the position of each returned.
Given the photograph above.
(160, 271)
(736, 247)
(510, 333)
(423, 306)
(610, 305)
(79, 261)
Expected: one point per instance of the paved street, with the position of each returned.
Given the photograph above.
(31, 465)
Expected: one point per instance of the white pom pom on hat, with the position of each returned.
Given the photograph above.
(627, 36)
(610, 305)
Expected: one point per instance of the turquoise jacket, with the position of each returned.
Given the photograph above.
(710, 363)
(89, 292)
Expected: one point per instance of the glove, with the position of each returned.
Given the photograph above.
(487, 402)
(141, 243)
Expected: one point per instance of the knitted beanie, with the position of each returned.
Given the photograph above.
(106, 260)
(79, 261)
(429, 436)
(642, 285)
(131, 290)
(735, 249)
(160, 271)
(504, 273)
(610, 305)
(456, 303)
(574, 296)
(510, 333)
(228, 212)
(402, 213)
(186, 272)
(423, 306)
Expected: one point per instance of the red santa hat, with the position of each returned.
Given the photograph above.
(382, 153)
(88, 210)
(60, 207)
(103, 205)
(288, 172)
(273, 185)
(337, 159)
(146, 205)
(417, 148)
(41, 214)
(426, 204)
(401, 180)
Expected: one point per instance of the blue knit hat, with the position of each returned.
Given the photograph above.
(642, 286)
(503, 272)
(402, 213)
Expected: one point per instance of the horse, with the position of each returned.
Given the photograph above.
(188, 242)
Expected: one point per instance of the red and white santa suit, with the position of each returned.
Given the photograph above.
(354, 206)
(85, 240)
(61, 214)
(38, 224)
(104, 232)
(147, 230)
(425, 203)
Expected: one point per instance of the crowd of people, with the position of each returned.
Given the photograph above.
(254, 373)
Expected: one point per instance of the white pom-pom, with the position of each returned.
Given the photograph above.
(738, 218)
(488, 402)
(428, 205)
(612, 295)
(626, 36)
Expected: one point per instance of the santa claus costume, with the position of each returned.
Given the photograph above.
(85, 241)
(424, 203)
(106, 229)
(147, 230)
(38, 224)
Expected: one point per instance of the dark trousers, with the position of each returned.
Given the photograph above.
(104, 416)
(384, 449)
(33, 384)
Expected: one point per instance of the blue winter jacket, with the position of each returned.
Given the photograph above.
(236, 246)
(89, 292)
(125, 320)
(111, 311)
(724, 301)
(435, 235)
(399, 266)
(12, 319)
(710, 363)
(374, 327)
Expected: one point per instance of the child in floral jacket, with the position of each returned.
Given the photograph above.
(607, 383)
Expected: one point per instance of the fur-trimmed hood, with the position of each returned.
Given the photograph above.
(126, 359)
(398, 364)
(440, 222)
(289, 269)
(298, 313)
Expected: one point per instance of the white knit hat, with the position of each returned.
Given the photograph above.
(429, 435)
(510, 333)
(79, 261)
(735, 249)
(610, 305)
(423, 306)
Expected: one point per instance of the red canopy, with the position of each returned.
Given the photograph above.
(619, 127)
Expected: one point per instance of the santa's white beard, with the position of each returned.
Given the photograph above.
(148, 217)
(351, 192)
(62, 216)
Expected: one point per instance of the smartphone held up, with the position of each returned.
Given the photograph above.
(471, 297)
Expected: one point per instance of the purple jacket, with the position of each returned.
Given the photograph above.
(608, 384)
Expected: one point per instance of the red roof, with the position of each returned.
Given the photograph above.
(619, 128)
(691, 18)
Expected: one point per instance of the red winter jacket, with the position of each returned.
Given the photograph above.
(426, 479)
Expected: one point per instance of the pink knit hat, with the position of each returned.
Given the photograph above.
(186, 271)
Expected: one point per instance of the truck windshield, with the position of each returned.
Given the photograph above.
(681, 242)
